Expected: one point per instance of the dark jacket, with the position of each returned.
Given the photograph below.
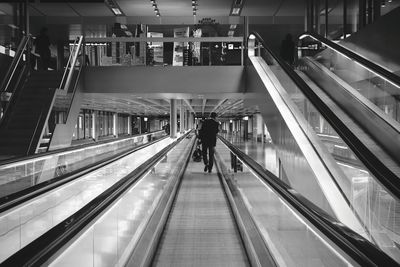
(208, 132)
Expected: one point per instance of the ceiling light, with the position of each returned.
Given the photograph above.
(158, 14)
(116, 11)
(236, 11)
(233, 26)
(230, 33)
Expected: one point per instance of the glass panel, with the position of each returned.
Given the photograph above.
(361, 189)
(112, 237)
(290, 240)
(30, 220)
(374, 88)
(192, 54)
(20, 175)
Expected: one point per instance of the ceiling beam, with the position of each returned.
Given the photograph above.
(219, 104)
(189, 105)
(154, 102)
(231, 107)
(203, 106)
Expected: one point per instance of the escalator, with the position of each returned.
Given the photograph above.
(32, 95)
(172, 213)
(333, 147)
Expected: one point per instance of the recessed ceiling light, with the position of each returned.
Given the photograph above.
(236, 11)
(116, 11)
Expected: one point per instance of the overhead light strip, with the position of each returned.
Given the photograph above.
(236, 8)
(155, 6)
(113, 6)
(194, 7)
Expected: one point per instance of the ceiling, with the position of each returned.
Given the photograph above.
(171, 8)
(173, 12)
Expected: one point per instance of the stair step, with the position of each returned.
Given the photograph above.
(42, 149)
(44, 141)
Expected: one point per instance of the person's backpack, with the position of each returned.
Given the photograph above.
(197, 154)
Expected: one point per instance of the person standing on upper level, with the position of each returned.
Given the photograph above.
(287, 52)
(208, 136)
(42, 43)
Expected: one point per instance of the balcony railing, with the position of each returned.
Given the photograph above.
(165, 51)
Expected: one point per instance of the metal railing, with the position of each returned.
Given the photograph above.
(17, 58)
(369, 65)
(167, 51)
(69, 69)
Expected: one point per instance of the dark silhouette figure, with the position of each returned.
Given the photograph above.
(43, 49)
(288, 49)
(167, 129)
(208, 136)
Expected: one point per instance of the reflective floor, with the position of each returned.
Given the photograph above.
(263, 153)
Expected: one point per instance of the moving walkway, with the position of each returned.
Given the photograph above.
(32, 211)
(172, 213)
(334, 147)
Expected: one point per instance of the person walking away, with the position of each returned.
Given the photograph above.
(288, 49)
(208, 136)
(43, 49)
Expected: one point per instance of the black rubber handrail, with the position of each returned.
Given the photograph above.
(14, 64)
(389, 76)
(10, 201)
(61, 150)
(357, 247)
(44, 247)
(381, 172)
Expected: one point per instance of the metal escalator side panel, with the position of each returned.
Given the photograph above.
(384, 131)
(312, 154)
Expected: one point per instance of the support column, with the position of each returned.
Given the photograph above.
(260, 128)
(115, 124)
(344, 19)
(181, 117)
(129, 125)
(187, 120)
(173, 118)
(191, 121)
(139, 123)
(94, 133)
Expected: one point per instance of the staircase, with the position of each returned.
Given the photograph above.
(25, 120)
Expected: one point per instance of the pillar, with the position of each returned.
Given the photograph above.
(129, 125)
(260, 127)
(94, 126)
(173, 118)
(115, 124)
(181, 117)
(139, 123)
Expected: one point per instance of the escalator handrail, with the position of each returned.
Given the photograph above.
(381, 172)
(371, 66)
(11, 201)
(357, 247)
(69, 70)
(17, 58)
(44, 247)
(61, 150)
